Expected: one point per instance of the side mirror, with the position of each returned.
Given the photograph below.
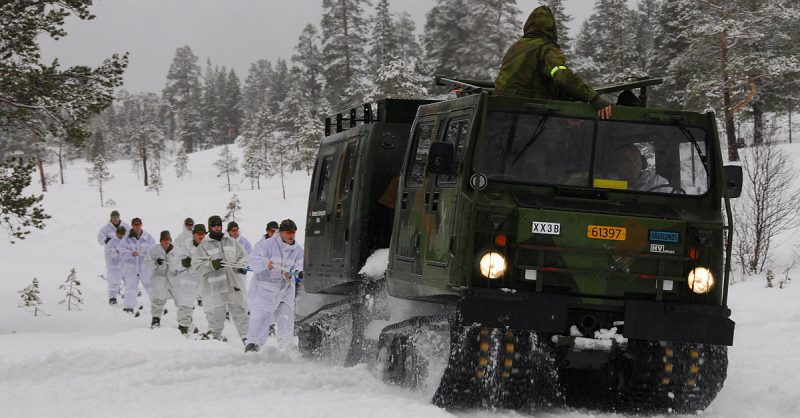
(440, 158)
(733, 180)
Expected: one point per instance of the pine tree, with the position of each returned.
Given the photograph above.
(182, 163)
(73, 296)
(256, 87)
(444, 31)
(19, 212)
(397, 80)
(234, 205)
(604, 61)
(303, 129)
(232, 106)
(493, 25)
(383, 42)
(143, 134)
(183, 96)
(99, 175)
(156, 182)
(212, 86)
(344, 34)
(226, 164)
(307, 61)
(408, 48)
(42, 98)
(30, 297)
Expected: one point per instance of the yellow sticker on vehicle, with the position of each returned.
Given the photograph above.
(613, 233)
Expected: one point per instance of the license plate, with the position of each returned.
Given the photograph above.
(606, 232)
(546, 228)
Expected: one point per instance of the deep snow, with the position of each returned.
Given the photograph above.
(100, 362)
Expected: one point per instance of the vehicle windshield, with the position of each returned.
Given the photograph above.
(559, 151)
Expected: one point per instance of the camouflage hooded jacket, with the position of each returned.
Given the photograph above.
(534, 66)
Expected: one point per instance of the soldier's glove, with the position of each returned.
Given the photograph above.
(108, 239)
(159, 261)
(242, 271)
(216, 264)
(132, 234)
(186, 262)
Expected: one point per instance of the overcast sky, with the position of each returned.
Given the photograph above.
(233, 33)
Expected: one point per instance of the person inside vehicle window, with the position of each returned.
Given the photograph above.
(632, 167)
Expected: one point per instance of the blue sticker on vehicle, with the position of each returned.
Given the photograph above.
(662, 236)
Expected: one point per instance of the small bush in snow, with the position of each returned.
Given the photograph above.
(30, 297)
(231, 209)
(73, 298)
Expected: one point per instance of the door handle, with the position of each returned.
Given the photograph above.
(404, 200)
(435, 202)
(427, 198)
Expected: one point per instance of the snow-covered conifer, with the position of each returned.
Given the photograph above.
(182, 163)
(183, 97)
(234, 206)
(398, 80)
(408, 48)
(73, 297)
(383, 42)
(30, 296)
(156, 182)
(227, 165)
(344, 35)
(99, 175)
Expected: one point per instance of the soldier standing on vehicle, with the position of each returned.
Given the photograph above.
(276, 262)
(534, 66)
(221, 261)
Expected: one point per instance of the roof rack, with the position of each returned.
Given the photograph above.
(384, 110)
(465, 87)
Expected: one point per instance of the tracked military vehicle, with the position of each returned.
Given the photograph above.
(537, 256)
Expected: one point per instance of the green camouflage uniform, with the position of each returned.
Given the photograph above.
(534, 66)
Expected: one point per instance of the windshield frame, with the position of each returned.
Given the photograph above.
(707, 144)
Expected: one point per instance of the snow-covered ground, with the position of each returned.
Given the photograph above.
(100, 362)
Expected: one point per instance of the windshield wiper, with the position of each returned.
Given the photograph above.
(536, 134)
(690, 137)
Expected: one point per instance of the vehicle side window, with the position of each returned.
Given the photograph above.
(424, 136)
(455, 134)
(324, 178)
(347, 171)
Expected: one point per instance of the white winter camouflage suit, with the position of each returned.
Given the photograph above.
(222, 289)
(186, 286)
(114, 259)
(163, 279)
(133, 268)
(271, 294)
(113, 273)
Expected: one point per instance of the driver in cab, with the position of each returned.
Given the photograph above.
(632, 167)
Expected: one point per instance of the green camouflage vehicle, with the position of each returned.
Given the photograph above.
(537, 256)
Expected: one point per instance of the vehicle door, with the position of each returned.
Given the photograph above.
(344, 195)
(411, 202)
(441, 195)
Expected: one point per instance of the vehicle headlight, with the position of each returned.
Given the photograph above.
(701, 280)
(493, 265)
